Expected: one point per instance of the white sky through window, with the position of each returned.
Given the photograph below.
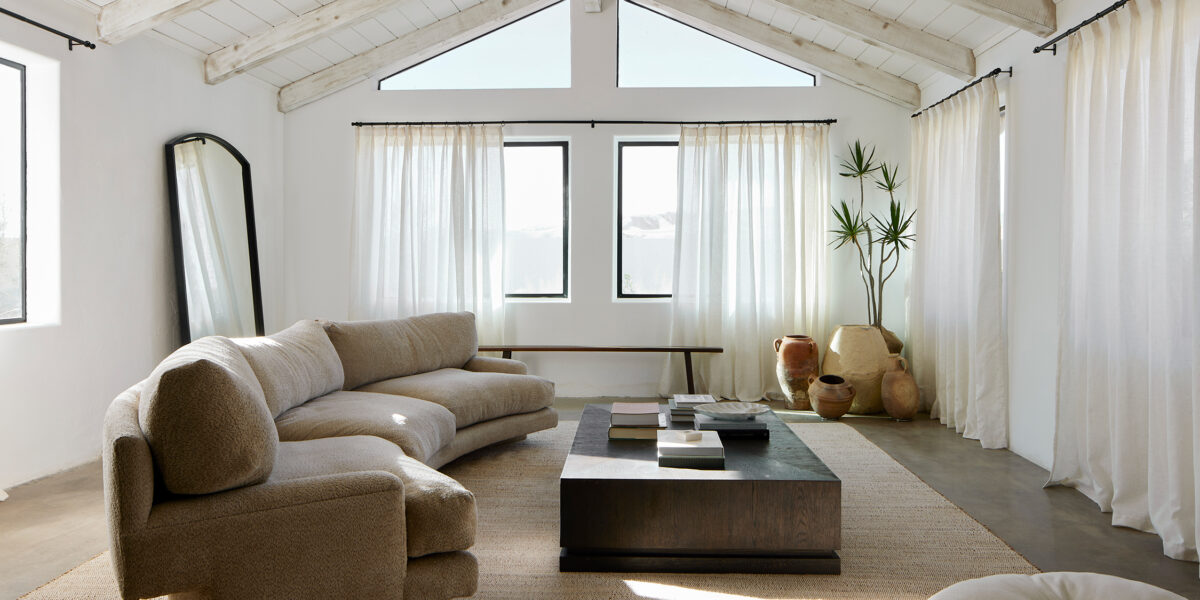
(655, 51)
(533, 220)
(534, 52)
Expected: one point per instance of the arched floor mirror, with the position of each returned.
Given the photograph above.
(216, 250)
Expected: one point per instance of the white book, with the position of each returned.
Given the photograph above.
(672, 442)
(690, 400)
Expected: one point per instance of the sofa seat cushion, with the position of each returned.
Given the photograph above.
(206, 421)
(418, 427)
(1058, 585)
(472, 397)
(294, 365)
(439, 513)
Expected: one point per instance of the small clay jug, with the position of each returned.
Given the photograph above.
(797, 362)
(830, 395)
(899, 390)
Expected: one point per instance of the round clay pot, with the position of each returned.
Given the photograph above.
(830, 395)
(899, 390)
(797, 362)
(859, 354)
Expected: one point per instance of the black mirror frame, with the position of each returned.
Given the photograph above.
(185, 330)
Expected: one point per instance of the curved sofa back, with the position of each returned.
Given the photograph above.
(376, 350)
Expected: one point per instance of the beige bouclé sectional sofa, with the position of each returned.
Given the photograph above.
(303, 464)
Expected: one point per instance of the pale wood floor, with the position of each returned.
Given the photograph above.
(49, 526)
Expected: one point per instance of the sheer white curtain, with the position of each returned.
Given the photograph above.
(957, 340)
(1128, 422)
(750, 249)
(428, 229)
(218, 291)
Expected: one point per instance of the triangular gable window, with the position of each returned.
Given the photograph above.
(534, 52)
(657, 51)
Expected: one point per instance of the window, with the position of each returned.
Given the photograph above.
(12, 192)
(647, 194)
(534, 52)
(656, 51)
(536, 197)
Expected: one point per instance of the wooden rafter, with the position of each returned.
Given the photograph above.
(124, 19)
(875, 29)
(257, 49)
(1039, 17)
(780, 45)
(409, 49)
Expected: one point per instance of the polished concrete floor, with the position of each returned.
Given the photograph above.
(51, 525)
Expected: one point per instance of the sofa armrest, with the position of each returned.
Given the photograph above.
(341, 535)
(487, 364)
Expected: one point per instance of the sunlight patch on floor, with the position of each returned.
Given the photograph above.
(659, 591)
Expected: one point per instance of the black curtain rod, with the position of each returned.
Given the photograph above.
(992, 73)
(592, 122)
(72, 41)
(1052, 45)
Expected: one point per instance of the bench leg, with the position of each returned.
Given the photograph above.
(687, 364)
(506, 354)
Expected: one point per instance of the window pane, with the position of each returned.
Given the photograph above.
(535, 218)
(655, 51)
(12, 193)
(649, 192)
(534, 52)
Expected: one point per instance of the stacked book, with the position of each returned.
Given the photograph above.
(690, 449)
(683, 406)
(635, 421)
(745, 429)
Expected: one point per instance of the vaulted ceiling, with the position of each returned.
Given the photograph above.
(312, 48)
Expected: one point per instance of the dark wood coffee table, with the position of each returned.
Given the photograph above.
(775, 508)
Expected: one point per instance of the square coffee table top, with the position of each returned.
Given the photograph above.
(783, 457)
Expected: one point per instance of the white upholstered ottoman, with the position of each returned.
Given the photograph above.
(1053, 586)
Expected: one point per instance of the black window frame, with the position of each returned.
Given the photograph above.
(620, 218)
(566, 193)
(24, 194)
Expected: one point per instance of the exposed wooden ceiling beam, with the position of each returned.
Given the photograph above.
(409, 49)
(1039, 17)
(780, 45)
(875, 29)
(123, 19)
(257, 49)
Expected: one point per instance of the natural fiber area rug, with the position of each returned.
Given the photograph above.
(900, 538)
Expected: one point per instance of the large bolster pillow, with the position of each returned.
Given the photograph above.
(294, 365)
(376, 350)
(205, 418)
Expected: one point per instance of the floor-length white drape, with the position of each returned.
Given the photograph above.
(1128, 424)
(957, 340)
(218, 303)
(428, 226)
(750, 252)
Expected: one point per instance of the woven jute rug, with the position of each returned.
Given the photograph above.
(900, 538)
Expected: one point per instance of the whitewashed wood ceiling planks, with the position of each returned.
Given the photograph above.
(226, 22)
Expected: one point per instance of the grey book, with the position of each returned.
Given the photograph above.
(705, 422)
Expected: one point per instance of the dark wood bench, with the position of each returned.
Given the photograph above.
(686, 350)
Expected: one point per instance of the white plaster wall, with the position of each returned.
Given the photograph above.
(1036, 100)
(319, 184)
(108, 210)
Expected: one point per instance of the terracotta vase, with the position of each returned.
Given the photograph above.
(859, 354)
(894, 345)
(797, 362)
(899, 390)
(831, 396)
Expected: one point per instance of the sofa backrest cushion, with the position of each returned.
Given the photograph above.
(294, 365)
(375, 350)
(205, 418)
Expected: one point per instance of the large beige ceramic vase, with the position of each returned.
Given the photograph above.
(859, 354)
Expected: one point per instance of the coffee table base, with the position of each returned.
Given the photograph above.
(825, 563)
